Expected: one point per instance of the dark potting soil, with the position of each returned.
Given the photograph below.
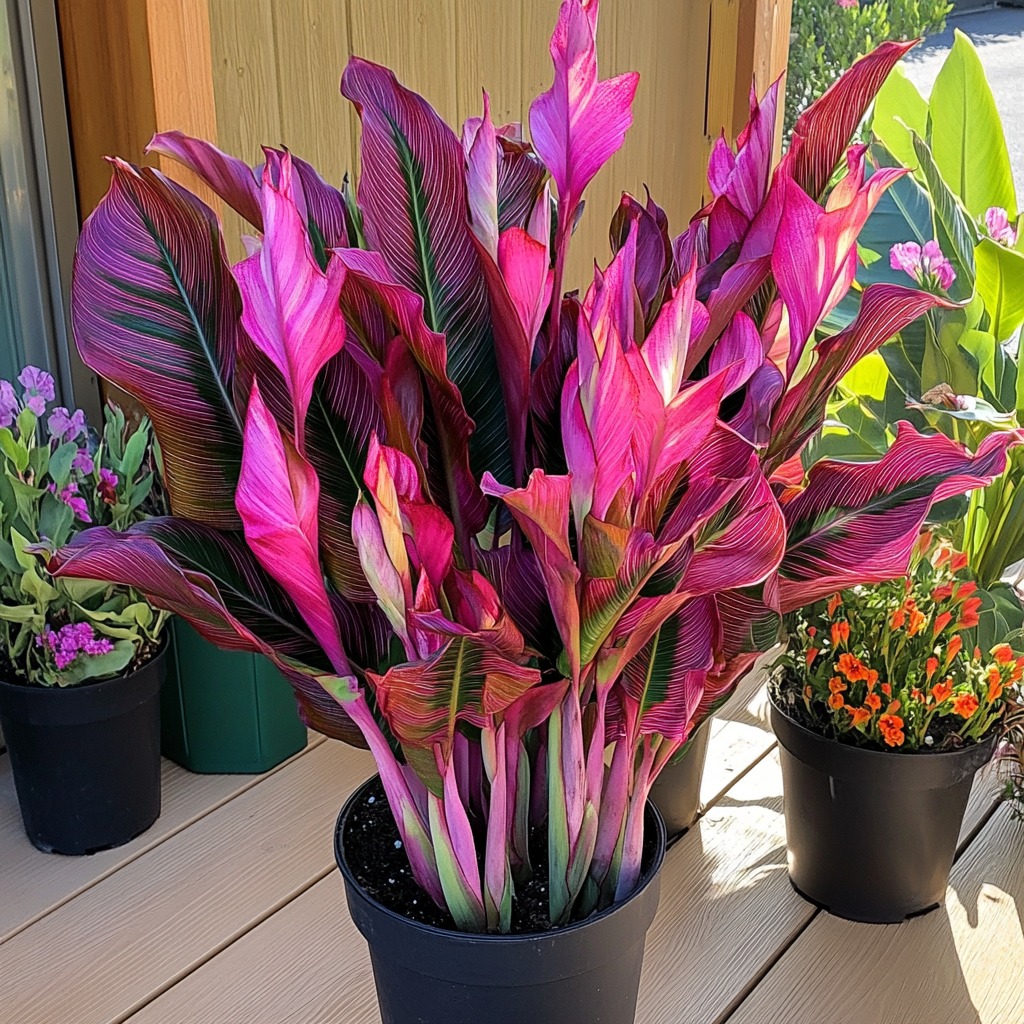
(376, 856)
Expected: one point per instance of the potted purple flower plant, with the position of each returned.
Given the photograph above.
(517, 542)
(82, 661)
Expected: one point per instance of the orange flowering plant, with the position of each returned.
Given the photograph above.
(891, 666)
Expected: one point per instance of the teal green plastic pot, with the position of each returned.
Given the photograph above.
(225, 712)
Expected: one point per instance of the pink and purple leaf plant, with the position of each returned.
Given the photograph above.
(518, 542)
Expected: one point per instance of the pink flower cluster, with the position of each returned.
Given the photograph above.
(74, 501)
(848, 3)
(997, 223)
(926, 265)
(68, 642)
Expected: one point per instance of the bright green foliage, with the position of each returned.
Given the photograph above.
(58, 478)
(827, 38)
(956, 369)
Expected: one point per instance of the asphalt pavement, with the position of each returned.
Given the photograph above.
(998, 33)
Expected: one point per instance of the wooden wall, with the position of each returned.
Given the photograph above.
(246, 72)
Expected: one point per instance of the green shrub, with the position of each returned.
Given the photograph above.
(827, 37)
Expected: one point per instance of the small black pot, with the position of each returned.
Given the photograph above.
(676, 791)
(871, 834)
(588, 972)
(86, 759)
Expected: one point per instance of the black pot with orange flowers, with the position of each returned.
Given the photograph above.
(884, 711)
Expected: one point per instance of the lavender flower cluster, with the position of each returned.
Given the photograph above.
(68, 642)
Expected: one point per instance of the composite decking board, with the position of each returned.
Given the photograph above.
(152, 921)
(307, 964)
(957, 965)
(37, 883)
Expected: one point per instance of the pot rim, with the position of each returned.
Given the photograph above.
(522, 939)
(91, 685)
(888, 755)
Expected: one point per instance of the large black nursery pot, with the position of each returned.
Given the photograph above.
(86, 759)
(587, 973)
(872, 834)
(676, 791)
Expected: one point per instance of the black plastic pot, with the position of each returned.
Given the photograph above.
(86, 759)
(676, 792)
(871, 834)
(588, 972)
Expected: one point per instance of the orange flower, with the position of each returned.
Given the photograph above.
(953, 648)
(917, 622)
(899, 617)
(965, 589)
(909, 604)
(942, 593)
(924, 542)
(942, 691)
(943, 555)
(887, 689)
(835, 702)
(994, 676)
(965, 705)
(891, 728)
(969, 616)
(916, 694)
(995, 689)
(840, 633)
(872, 678)
(811, 655)
(836, 685)
(812, 631)
(1003, 654)
(893, 707)
(873, 701)
(833, 604)
(931, 666)
(941, 622)
(858, 716)
(959, 562)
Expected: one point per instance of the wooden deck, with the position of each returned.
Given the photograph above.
(230, 911)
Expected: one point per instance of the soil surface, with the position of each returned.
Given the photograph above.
(376, 855)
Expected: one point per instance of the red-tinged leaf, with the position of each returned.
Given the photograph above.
(212, 580)
(542, 511)
(815, 259)
(466, 680)
(546, 389)
(367, 273)
(277, 499)
(743, 544)
(412, 195)
(666, 679)
(521, 177)
(825, 128)
(858, 522)
(156, 312)
(653, 249)
(230, 178)
(581, 121)
(885, 310)
(289, 305)
(739, 353)
(325, 209)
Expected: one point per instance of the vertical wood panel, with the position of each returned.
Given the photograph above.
(312, 49)
(490, 35)
(418, 39)
(246, 89)
(111, 109)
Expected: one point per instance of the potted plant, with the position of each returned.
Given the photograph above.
(884, 712)
(516, 542)
(82, 661)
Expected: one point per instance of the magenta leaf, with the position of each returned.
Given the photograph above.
(581, 121)
(277, 499)
(858, 522)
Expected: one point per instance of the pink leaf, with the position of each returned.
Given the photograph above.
(580, 122)
(289, 305)
(277, 498)
(480, 144)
